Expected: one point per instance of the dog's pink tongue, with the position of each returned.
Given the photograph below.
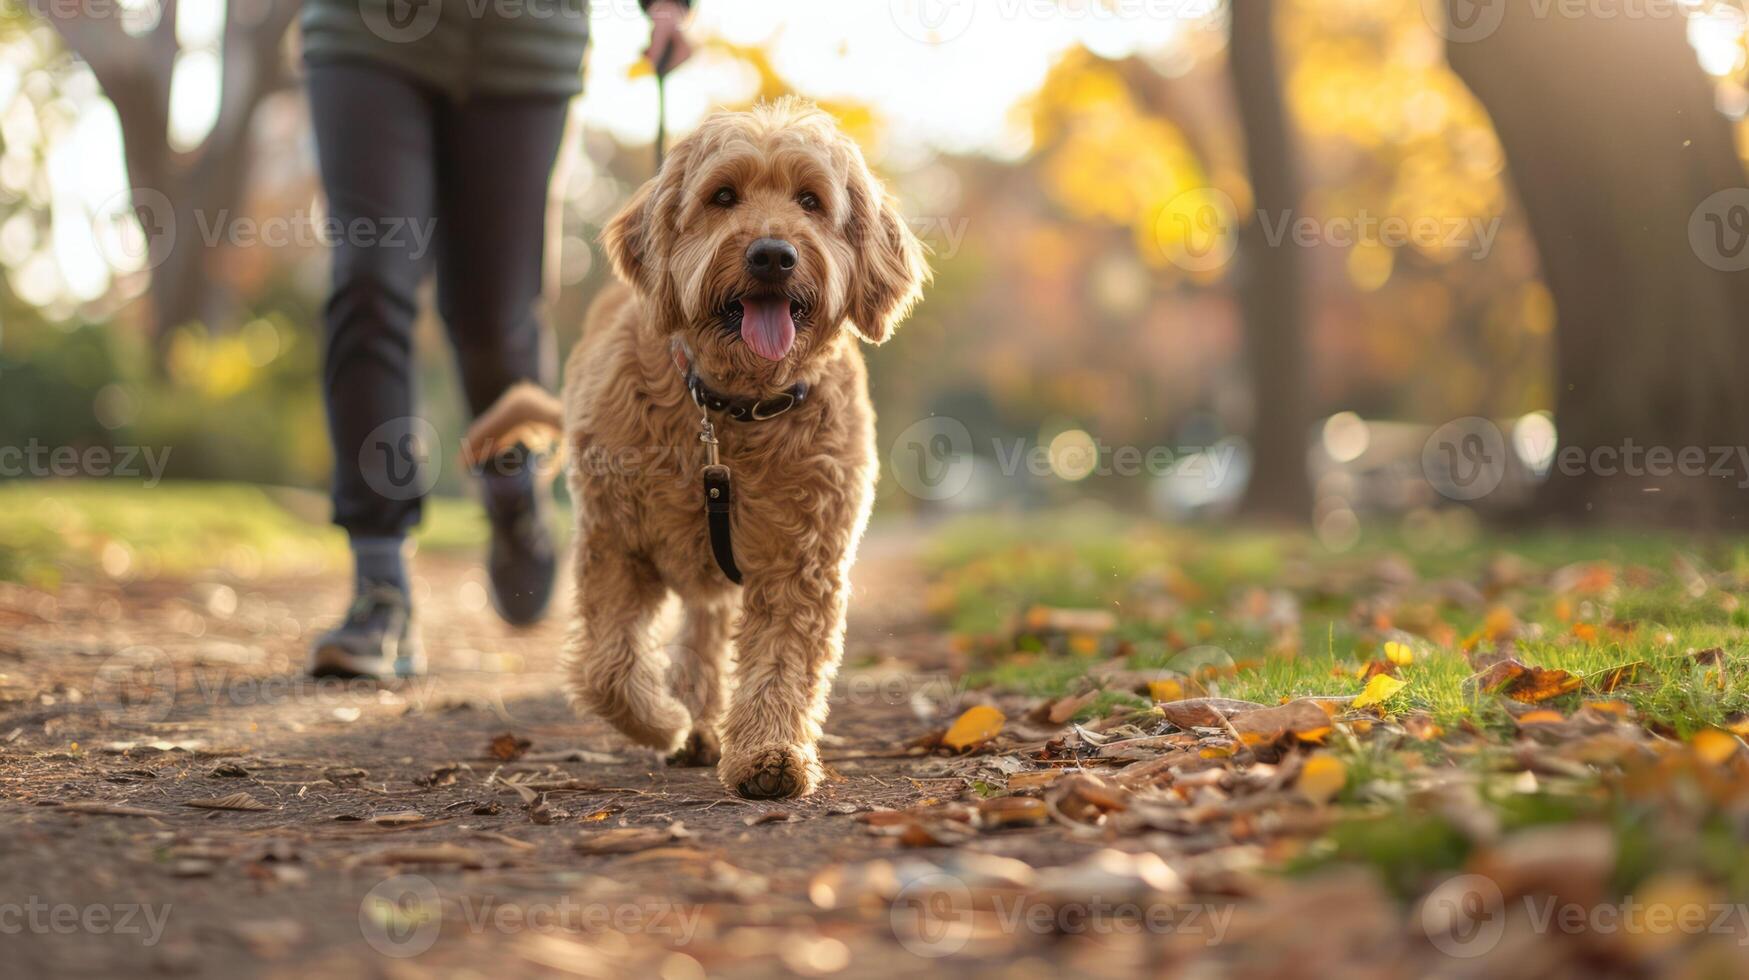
(766, 326)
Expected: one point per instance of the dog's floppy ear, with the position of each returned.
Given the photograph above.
(628, 240)
(890, 266)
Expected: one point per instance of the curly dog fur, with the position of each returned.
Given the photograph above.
(746, 681)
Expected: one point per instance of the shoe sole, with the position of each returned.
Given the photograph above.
(333, 660)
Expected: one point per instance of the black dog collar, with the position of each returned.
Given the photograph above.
(734, 406)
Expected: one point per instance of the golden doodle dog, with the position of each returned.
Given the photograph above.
(751, 266)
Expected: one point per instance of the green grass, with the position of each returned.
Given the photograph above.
(1173, 588)
(55, 530)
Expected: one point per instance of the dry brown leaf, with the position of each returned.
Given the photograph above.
(1205, 712)
(1527, 684)
(235, 801)
(1012, 811)
(1262, 726)
(1021, 782)
(101, 808)
(625, 840)
(508, 747)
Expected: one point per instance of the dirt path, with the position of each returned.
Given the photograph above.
(124, 706)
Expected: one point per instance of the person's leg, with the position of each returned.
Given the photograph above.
(374, 139)
(495, 161)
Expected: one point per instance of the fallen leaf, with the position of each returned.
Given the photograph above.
(768, 816)
(979, 724)
(398, 818)
(1524, 683)
(1715, 747)
(626, 840)
(1541, 716)
(1020, 782)
(1322, 777)
(1166, 689)
(1400, 654)
(1379, 690)
(1205, 712)
(1012, 811)
(109, 809)
(508, 747)
(235, 801)
(1266, 725)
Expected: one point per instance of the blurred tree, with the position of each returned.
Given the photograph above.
(1268, 278)
(176, 190)
(1619, 156)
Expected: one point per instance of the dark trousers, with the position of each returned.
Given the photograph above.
(418, 183)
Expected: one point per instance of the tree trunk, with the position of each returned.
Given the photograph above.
(1269, 277)
(1615, 147)
(178, 196)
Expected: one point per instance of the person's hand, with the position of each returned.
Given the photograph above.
(666, 17)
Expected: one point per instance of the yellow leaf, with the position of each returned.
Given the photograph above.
(1166, 690)
(1715, 747)
(1322, 778)
(1399, 653)
(1379, 690)
(978, 725)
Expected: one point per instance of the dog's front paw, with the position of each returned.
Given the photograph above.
(701, 749)
(771, 772)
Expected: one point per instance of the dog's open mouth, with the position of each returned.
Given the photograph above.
(767, 323)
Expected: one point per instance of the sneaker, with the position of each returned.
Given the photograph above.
(378, 640)
(521, 564)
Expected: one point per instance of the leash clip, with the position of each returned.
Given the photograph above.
(707, 434)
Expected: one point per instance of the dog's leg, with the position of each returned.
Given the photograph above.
(616, 668)
(700, 677)
(787, 651)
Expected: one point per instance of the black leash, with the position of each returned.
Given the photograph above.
(719, 489)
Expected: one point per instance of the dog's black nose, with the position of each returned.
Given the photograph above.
(771, 260)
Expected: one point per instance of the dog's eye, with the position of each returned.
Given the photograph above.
(724, 197)
(809, 201)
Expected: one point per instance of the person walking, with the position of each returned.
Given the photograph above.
(437, 124)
